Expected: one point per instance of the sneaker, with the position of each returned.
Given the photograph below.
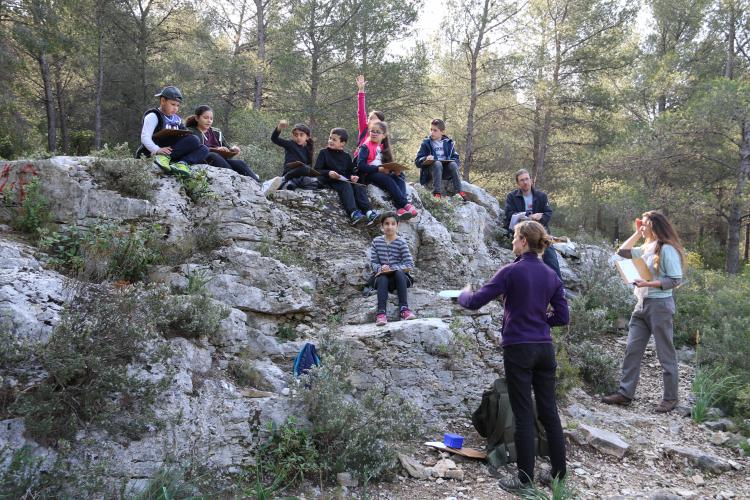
(514, 485)
(406, 314)
(373, 216)
(357, 217)
(162, 161)
(402, 214)
(274, 185)
(666, 406)
(410, 208)
(381, 319)
(181, 168)
(437, 196)
(463, 196)
(616, 399)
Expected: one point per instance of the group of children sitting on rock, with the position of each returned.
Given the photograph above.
(174, 146)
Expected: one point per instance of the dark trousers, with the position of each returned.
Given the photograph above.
(294, 173)
(238, 166)
(389, 282)
(440, 172)
(527, 366)
(187, 148)
(392, 184)
(352, 196)
(550, 258)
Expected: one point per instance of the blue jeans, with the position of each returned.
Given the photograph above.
(438, 171)
(527, 366)
(393, 184)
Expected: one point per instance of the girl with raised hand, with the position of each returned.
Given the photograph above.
(364, 120)
(664, 255)
(200, 123)
(527, 287)
(373, 153)
(391, 262)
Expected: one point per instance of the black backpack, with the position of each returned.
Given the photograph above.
(494, 420)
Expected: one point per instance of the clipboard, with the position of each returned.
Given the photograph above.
(450, 294)
(171, 132)
(224, 154)
(633, 269)
(397, 168)
(297, 164)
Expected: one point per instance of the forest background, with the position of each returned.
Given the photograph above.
(615, 106)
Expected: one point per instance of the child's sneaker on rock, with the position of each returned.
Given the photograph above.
(407, 212)
(181, 168)
(274, 185)
(410, 208)
(162, 161)
(437, 196)
(381, 319)
(463, 196)
(372, 217)
(357, 217)
(406, 314)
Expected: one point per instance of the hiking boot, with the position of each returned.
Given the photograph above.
(372, 217)
(437, 196)
(616, 399)
(666, 406)
(407, 314)
(181, 168)
(162, 161)
(514, 485)
(356, 217)
(381, 319)
(274, 185)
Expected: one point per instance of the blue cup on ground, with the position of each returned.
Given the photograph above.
(453, 440)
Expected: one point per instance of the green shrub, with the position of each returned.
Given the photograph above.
(600, 370)
(81, 142)
(86, 361)
(561, 490)
(116, 152)
(104, 251)
(192, 316)
(442, 209)
(289, 455)
(29, 207)
(169, 484)
(710, 386)
(567, 377)
(246, 375)
(357, 435)
(197, 187)
(130, 177)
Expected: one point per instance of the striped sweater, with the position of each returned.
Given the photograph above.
(394, 254)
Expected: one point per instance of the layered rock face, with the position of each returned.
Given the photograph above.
(289, 263)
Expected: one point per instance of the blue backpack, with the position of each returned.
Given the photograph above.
(306, 359)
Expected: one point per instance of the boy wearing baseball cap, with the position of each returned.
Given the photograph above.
(172, 153)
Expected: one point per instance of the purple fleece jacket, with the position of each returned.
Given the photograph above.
(528, 286)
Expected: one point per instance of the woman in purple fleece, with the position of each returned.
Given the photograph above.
(528, 286)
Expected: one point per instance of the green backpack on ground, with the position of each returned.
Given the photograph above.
(494, 420)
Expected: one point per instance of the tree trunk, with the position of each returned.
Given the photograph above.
(260, 20)
(473, 92)
(49, 103)
(547, 102)
(62, 112)
(731, 38)
(99, 85)
(734, 221)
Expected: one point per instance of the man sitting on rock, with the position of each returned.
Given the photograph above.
(527, 203)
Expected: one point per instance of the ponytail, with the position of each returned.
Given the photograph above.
(191, 121)
(385, 146)
(535, 235)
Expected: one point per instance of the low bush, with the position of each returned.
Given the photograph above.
(29, 208)
(598, 369)
(117, 152)
(357, 435)
(288, 457)
(130, 177)
(197, 187)
(86, 364)
(246, 375)
(710, 386)
(104, 251)
(192, 316)
(442, 209)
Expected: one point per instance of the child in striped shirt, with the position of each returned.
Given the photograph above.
(391, 262)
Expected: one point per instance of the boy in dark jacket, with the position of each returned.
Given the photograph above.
(336, 172)
(437, 157)
(172, 154)
(298, 155)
